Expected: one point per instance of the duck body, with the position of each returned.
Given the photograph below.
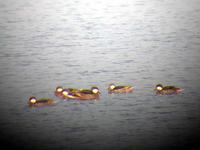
(33, 102)
(167, 90)
(86, 95)
(119, 89)
(73, 90)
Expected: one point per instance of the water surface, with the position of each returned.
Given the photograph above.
(83, 43)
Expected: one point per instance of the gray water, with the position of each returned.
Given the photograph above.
(81, 43)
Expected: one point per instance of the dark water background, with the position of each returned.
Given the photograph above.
(80, 43)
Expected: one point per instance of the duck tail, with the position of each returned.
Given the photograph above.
(180, 90)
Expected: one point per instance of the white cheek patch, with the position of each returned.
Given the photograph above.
(65, 93)
(159, 88)
(33, 101)
(112, 87)
(95, 91)
(59, 90)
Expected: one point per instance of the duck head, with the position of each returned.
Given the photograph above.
(32, 100)
(159, 87)
(95, 90)
(59, 89)
(111, 86)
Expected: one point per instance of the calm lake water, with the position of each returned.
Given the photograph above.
(81, 43)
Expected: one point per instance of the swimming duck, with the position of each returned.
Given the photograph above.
(167, 90)
(89, 94)
(33, 102)
(82, 94)
(119, 89)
